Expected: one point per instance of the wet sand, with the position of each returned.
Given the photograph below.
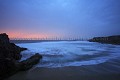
(105, 71)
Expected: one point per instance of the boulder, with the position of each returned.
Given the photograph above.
(28, 63)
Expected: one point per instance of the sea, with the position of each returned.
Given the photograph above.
(70, 53)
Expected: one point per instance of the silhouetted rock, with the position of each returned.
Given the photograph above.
(27, 64)
(9, 56)
(108, 40)
(4, 38)
(7, 68)
(7, 49)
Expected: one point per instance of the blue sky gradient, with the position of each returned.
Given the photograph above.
(62, 18)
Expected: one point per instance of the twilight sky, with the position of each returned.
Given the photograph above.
(61, 18)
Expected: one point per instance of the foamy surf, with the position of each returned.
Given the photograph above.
(71, 53)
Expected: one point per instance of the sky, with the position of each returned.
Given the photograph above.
(59, 18)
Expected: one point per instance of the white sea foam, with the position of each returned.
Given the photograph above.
(71, 53)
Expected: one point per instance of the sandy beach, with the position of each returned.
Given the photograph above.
(105, 71)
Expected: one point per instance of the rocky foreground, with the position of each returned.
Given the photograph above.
(10, 56)
(109, 40)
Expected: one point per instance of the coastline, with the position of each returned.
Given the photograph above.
(105, 71)
(109, 70)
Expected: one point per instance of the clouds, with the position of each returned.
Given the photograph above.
(66, 17)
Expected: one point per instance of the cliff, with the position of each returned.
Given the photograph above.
(10, 56)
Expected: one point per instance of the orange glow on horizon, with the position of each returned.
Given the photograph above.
(18, 35)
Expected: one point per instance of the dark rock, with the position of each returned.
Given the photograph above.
(9, 53)
(22, 49)
(9, 56)
(9, 50)
(7, 68)
(27, 64)
(108, 40)
(4, 38)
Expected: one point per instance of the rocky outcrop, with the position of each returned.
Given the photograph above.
(27, 64)
(10, 56)
(108, 40)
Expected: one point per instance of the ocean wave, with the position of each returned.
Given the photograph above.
(73, 53)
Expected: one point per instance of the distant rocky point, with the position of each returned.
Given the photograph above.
(10, 56)
(109, 40)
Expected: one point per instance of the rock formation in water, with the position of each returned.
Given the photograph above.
(108, 40)
(10, 56)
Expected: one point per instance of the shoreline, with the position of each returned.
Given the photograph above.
(109, 70)
(105, 71)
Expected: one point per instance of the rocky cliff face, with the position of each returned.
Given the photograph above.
(9, 50)
(9, 56)
(108, 40)
(4, 38)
